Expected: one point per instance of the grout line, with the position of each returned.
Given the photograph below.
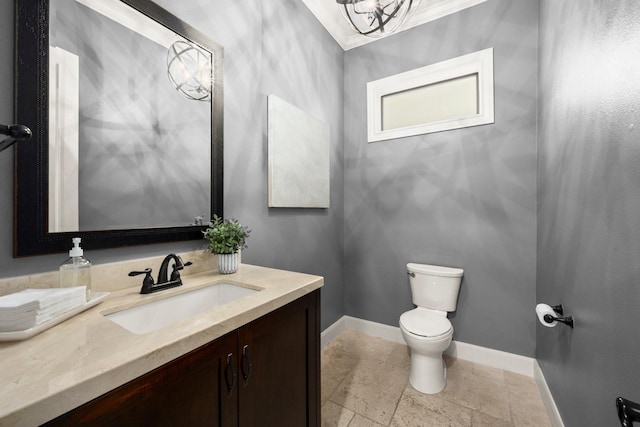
(398, 403)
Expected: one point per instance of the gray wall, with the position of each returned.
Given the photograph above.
(270, 47)
(463, 198)
(588, 204)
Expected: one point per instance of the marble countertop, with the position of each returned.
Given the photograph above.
(88, 355)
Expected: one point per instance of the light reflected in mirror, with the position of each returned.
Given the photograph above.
(126, 148)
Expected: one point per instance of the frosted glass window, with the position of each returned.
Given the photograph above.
(436, 102)
(451, 94)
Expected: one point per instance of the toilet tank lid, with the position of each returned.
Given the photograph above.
(435, 270)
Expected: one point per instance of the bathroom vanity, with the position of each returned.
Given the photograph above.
(253, 361)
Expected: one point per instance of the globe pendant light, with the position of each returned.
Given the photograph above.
(190, 70)
(376, 18)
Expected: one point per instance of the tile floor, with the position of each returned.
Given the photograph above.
(365, 382)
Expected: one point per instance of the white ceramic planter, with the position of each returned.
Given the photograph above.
(228, 263)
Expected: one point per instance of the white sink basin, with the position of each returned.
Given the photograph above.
(158, 314)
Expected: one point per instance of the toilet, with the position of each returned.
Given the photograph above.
(426, 329)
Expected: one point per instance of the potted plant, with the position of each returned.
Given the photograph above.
(226, 238)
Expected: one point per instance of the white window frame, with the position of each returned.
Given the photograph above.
(480, 63)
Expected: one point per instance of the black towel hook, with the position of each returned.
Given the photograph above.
(16, 133)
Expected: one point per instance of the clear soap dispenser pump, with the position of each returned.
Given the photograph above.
(76, 271)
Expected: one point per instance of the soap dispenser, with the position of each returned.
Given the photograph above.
(76, 271)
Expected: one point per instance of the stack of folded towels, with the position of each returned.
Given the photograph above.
(32, 307)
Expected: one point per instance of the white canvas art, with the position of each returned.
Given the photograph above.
(298, 157)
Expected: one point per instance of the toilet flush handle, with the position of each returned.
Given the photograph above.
(411, 273)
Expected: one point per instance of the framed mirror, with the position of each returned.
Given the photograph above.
(125, 102)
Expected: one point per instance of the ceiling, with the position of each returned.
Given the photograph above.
(327, 12)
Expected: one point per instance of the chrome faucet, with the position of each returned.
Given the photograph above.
(149, 286)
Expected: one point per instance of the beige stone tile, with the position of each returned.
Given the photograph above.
(521, 387)
(338, 356)
(336, 363)
(400, 356)
(528, 411)
(416, 409)
(335, 415)
(457, 368)
(478, 419)
(522, 403)
(362, 346)
(364, 377)
(360, 421)
(532, 418)
(476, 392)
(373, 390)
(526, 404)
(494, 402)
(511, 378)
(328, 385)
(488, 372)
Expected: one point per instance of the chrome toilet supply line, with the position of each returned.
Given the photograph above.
(16, 133)
(567, 320)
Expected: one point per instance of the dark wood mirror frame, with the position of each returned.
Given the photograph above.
(31, 230)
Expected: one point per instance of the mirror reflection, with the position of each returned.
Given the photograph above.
(137, 150)
(129, 121)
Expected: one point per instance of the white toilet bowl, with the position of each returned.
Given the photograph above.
(428, 334)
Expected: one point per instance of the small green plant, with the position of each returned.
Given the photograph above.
(226, 236)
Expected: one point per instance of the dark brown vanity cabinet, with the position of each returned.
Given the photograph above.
(266, 373)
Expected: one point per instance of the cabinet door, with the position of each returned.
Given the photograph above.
(192, 390)
(279, 380)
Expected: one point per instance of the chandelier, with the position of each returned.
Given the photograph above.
(376, 18)
(190, 70)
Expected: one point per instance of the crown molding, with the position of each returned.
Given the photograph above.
(327, 12)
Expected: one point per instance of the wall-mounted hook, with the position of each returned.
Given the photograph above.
(15, 132)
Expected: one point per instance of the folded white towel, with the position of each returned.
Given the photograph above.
(56, 308)
(33, 299)
(31, 307)
(7, 307)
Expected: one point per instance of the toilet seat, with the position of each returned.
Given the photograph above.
(425, 323)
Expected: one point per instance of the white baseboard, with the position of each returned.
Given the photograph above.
(547, 398)
(495, 358)
(332, 332)
(386, 332)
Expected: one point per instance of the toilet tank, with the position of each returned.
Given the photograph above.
(434, 287)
